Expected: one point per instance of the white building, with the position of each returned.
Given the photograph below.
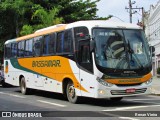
(152, 30)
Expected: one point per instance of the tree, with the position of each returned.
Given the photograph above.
(72, 10)
(45, 18)
(20, 17)
(26, 29)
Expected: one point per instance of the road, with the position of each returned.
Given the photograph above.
(49, 103)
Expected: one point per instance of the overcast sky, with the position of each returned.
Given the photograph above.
(117, 8)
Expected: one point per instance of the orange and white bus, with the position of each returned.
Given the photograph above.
(98, 59)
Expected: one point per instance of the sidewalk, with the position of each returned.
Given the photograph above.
(155, 86)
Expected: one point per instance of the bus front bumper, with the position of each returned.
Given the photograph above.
(115, 91)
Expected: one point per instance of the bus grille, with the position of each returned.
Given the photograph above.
(124, 85)
(123, 92)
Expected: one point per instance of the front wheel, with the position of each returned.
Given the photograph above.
(23, 87)
(71, 94)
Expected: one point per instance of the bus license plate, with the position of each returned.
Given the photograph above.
(130, 90)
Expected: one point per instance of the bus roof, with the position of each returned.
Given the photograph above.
(88, 23)
(103, 23)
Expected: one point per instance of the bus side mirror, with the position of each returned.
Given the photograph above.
(152, 49)
(92, 46)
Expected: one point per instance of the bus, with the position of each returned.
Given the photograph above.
(93, 58)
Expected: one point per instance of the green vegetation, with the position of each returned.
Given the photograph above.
(22, 17)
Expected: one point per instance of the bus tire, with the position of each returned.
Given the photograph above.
(71, 94)
(23, 87)
(116, 99)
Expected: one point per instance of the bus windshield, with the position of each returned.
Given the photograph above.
(121, 48)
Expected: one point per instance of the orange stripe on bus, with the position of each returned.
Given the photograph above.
(45, 32)
(57, 73)
(130, 80)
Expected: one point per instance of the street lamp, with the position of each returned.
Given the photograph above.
(110, 16)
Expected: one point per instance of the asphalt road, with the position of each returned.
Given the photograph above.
(51, 105)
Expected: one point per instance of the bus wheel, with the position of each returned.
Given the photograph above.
(116, 99)
(71, 94)
(24, 89)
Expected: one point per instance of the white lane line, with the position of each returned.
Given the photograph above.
(125, 108)
(128, 118)
(143, 102)
(59, 105)
(12, 95)
(139, 99)
(129, 108)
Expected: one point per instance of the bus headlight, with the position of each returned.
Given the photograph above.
(104, 82)
(149, 81)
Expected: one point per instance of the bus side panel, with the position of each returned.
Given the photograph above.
(89, 82)
(10, 73)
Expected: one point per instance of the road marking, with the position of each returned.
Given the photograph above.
(139, 99)
(12, 95)
(125, 108)
(129, 108)
(59, 105)
(143, 102)
(128, 118)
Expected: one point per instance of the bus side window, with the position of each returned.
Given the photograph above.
(8, 50)
(28, 47)
(80, 33)
(59, 42)
(37, 45)
(52, 41)
(49, 44)
(14, 50)
(68, 46)
(46, 44)
(21, 49)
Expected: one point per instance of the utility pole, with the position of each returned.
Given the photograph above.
(131, 12)
(130, 9)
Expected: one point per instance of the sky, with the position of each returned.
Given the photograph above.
(117, 8)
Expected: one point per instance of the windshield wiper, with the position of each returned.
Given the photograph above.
(132, 53)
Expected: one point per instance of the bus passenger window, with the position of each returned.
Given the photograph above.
(51, 43)
(37, 45)
(8, 51)
(21, 49)
(14, 50)
(68, 41)
(28, 48)
(59, 43)
(46, 45)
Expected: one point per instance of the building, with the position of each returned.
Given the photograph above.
(152, 30)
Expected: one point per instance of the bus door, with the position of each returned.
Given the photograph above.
(86, 64)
